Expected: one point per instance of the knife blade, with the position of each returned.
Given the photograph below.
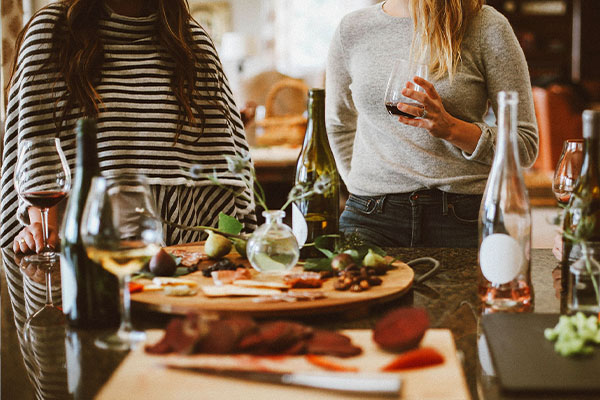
(374, 384)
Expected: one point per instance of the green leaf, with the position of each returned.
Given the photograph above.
(317, 264)
(326, 244)
(229, 224)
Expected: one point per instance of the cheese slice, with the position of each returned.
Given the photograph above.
(260, 284)
(168, 281)
(233, 290)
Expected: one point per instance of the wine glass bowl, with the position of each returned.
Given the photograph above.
(42, 179)
(403, 72)
(567, 170)
(120, 231)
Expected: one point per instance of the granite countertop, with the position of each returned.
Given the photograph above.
(78, 366)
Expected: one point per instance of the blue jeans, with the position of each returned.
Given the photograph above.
(423, 218)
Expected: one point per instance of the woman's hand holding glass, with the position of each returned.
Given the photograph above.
(432, 114)
(42, 179)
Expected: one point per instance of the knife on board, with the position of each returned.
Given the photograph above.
(373, 384)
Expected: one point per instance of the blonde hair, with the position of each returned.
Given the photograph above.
(439, 29)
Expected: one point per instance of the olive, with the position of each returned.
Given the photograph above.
(162, 264)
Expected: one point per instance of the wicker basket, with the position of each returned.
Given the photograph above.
(282, 129)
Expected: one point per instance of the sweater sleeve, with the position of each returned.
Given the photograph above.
(505, 68)
(341, 114)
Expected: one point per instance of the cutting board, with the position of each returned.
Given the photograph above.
(145, 376)
(395, 283)
(525, 361)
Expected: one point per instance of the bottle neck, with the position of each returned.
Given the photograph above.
(87, 151)
(507, 129)
(273, 216)
(316, 117)
(590, 164)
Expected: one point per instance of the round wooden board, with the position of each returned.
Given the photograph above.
(395, 283)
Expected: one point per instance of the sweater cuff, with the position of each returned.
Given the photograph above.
(23, 213)
(484, 146)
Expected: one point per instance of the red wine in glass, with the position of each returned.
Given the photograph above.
(42, 178)
(392, 109)
(403, 72)
(44, 199)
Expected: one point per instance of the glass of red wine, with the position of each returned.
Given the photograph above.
(567, 170)
(42, 179)
(401, 77)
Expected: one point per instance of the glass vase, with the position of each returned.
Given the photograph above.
(584, 278)
(273, 248)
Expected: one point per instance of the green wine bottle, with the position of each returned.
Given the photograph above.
(318, 214)
(90, 294)
(582, 215)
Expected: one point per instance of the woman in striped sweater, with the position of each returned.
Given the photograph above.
(151, 77)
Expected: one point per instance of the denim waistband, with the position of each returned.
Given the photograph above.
(421, 196)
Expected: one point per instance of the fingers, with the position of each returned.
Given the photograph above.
(416, 122)
(410, 109)
(24, 242)
(428, 86)
(418, 96)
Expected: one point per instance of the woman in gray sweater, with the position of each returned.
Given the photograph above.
(418, 182)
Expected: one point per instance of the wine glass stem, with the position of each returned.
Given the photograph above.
(49, 301)
(125, 305)
(44, 212)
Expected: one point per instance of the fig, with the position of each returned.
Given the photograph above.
(373, 259)
(341, 261)
(240, 246)
(217, 246)
(162, 264)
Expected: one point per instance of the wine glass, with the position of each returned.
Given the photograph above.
(43, 179)
(403, 72)
(120, 231)
(49, 314)
(567, 170)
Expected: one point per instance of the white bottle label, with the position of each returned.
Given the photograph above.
(500, 258)
(68, 285)
(299, 226)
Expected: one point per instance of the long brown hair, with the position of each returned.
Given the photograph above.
(78, 53)
(439, 29)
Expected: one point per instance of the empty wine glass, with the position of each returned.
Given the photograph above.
(120, 231)
(567, 170)
(403, 72)
(43, 179)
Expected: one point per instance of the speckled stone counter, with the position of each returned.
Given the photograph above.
(58, 364)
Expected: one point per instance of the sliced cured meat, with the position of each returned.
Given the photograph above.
(331, 343)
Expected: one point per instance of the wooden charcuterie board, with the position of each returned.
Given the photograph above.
(395, 283)
(146, 376)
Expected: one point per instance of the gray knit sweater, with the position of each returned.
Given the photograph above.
(375, 153)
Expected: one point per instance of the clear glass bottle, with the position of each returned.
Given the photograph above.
(583, 210)
(584, 279)
(318, 214)
(505, 222)
(273, 248)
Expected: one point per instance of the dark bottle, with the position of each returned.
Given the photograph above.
(318, 214)
(582, 215)
(90, 294)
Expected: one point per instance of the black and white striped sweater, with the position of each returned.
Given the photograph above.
(136, 125)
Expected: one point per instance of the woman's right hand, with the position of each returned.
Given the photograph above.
(30, 239)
